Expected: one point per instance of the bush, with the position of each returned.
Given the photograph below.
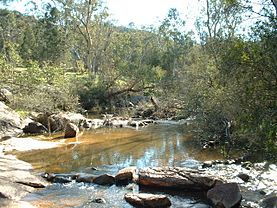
(42, 89)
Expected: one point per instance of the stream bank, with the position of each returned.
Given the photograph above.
(107, 150)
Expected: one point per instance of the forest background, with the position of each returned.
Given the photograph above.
(69, 56)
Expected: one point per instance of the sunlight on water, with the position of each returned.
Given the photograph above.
(153, 146)
(109, 150)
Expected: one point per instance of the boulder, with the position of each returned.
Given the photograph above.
(104, 179)
(5, 95)
(10, 122)
(125, 176)
(225, 195)
(147, 200)
(8, 130)
(16, 180)
(85, 178)
(175, 178)
(71, 130)
(34, 128)
(57, 122)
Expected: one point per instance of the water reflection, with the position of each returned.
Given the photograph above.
(110, 150)
(153, 146)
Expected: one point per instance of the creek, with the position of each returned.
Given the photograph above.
(107, 150)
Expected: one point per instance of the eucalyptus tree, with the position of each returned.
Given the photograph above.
(12, 24)
(87, 19)
(175, 41)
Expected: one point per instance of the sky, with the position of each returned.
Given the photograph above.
(140, 12)
(147, 12)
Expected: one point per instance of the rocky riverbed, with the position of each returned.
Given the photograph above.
(256, 183)
(16, 180)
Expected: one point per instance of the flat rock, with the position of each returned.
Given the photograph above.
(225, 195)
(175, 178)
(15, 204)
(147, 200)
(15, 178)
(26, 144)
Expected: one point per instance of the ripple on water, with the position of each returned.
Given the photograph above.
(81, 195)
(107, 151)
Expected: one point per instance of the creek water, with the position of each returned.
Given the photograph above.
(109, 150)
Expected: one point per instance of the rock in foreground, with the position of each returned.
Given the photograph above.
(148, 200)
(225, 195)
(175, 178)
(125, 175)
(15, 178)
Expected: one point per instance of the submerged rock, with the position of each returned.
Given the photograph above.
(175, 178)
(225, 195)
(53, 178)
(270, 201)
(148, 200)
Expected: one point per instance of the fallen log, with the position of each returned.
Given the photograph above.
(176, 178)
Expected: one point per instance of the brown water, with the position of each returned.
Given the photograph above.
(109, 150)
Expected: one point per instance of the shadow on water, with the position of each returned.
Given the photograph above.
(110, 150)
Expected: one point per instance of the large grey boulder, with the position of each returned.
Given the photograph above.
(5, 95)
(57, 122)
(10, 122)
(147, 200)
(225, 195)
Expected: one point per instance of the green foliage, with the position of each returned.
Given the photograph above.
(42, 89)
(73, 54)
